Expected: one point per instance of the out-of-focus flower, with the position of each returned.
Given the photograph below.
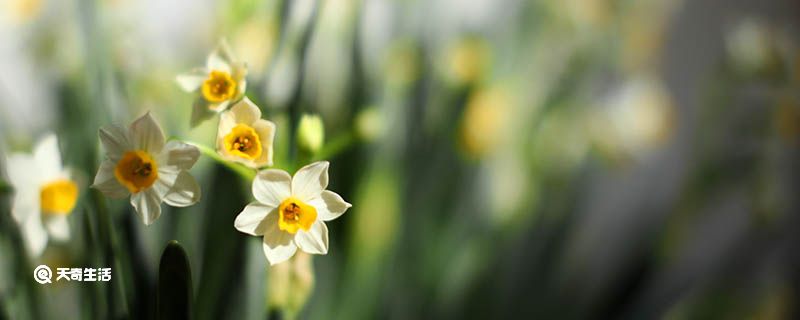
(21, 11)
(402, 63)
(310, 133)
(642, 32)
(751, 46)
(369, 124)
(290, 284)
(467, 60)
(139, 163)
(583, 15)
(290, 212)
(787, 119)
(482, 127)
(638, 117)
(255, 42)
(44, 196)
(244, 137)
(218, 85)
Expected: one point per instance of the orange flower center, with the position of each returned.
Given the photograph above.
(243, 141)
(295, 215)
(136, 171)
(219, 86)
(58, 197)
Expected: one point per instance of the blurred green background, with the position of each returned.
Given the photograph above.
(505, 158)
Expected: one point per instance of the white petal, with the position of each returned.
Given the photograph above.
(310, 180)
(278, 246)
(239, 75)
(272, 186)
(48, 157)
(227, 120)
(180, 154)
(219, 107)
(220, 58)
(107, 183)
(185, 191)
(252, 220)
(115, 141)
(329, 205)
(245, 111)
(22, 173)
(315, 241)
(147, 135)
(58, 227)
(147, 204)
(25, 205)
(167, 175)
(266, 132)
(34, 235)
(192, 80)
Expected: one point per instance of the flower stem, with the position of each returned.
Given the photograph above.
(242, 171)
(336, 145)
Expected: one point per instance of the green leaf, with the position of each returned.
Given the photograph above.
(174, 297)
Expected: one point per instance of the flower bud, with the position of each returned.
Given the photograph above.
(310, 133)
(290, 284)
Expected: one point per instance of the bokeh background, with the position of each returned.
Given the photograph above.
(564, 159)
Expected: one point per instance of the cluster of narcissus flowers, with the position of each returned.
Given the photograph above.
(289, 213)
(44, 194)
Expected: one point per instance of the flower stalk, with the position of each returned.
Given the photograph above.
(244, 172)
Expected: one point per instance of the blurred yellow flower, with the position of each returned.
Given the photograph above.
(44, 196)
(290, 212)
(219, 84)
(484, 119)
(244, 137)
(21, 11)
(139, 163)
(467, 60)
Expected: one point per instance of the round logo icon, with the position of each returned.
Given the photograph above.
(42, 274)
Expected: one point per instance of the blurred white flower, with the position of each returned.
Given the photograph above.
(637, 118)
(218, 85)
(140, 164)
(290, 212)
(244, 137)
(750, 45)
(44, 194)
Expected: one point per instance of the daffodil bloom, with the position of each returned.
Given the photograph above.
(244, 137)
(140, 164)
(290, 213)
(45, 195)
(219, 84)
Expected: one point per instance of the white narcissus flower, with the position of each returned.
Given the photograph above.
(220, 83)
(290, 212)
(244, 137)
(44, 194)
(141, 165)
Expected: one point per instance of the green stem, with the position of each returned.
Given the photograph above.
(244, 172)
(336, 145)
